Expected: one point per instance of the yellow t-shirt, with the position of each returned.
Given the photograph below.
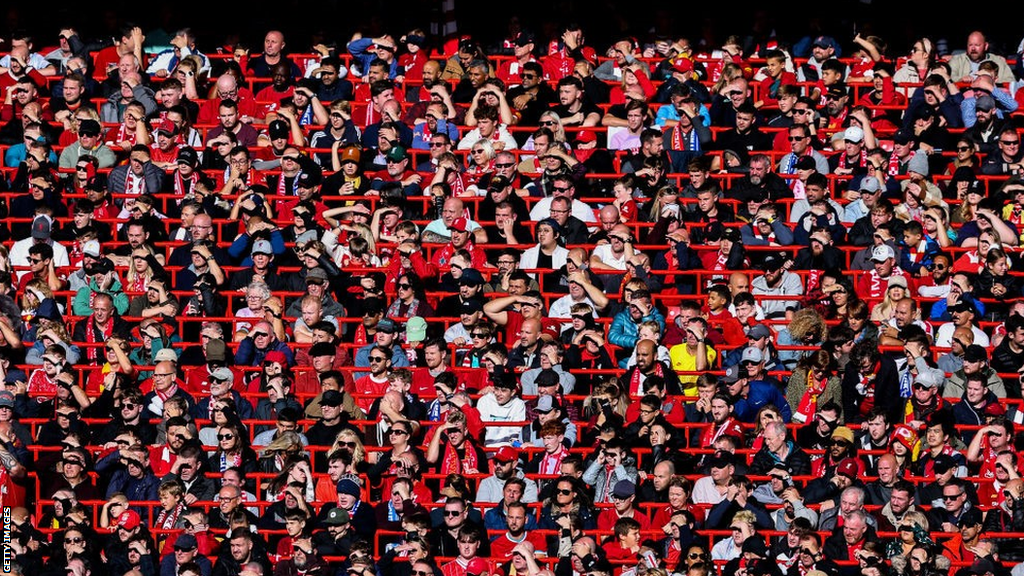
(683, 361)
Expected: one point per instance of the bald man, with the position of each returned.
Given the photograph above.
(609, 218)
(526, 353)
(228, 89)
(273, 53)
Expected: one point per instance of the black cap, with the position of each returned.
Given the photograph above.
(806, 163)
(972, 517)
(524, 38)
(771, 263)
(322, 349)
(975, 353)
(89, 128)
(332, 398)
(721, 459)
(943, 463)
(471, 277)
(838, 90)
(755, 545)
(278, 129)
(309, 179)
(101, 266)
(187, 155)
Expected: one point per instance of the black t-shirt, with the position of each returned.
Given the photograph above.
(587, 107)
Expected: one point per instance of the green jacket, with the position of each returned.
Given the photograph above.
(81, 307)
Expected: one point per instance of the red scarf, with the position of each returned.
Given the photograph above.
(551, 463)
(862, 162)
(452, 464)
(179, 185)
(809, 403)
(894, 165)
(93, 352)
(635, 389)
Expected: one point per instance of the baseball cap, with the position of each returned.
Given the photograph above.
(216, 350)
(904, 435)
(545, 404)
(6, 399)
(985, 103)
(337, 517)
(309, 179)
(416, 329)
(975, 353)
(971, 517)
(732, 374)
(506, 454)
(943, 463)
(91, 248)
(854, 134)
(962, 305)
(721, 459)
(824, 42)
(387, 326)
(278, 129)
(524, 38)
(882, 252)
(322, 349)
(471, 277)
(168, 127)
(806, 163)
(186, 541)
(869, 185)
(351, 154)
(843, 433)
(929, 377)
(848, 467)
(275, 356)
(223, 374)
(188, 155)
(261, 247)
(331, 398)
(41, 228)
(896, 281)
(758, 331)
(903, 137)
(752, 354)
(129, 520)
(396, 154)
(471, 306)
(623, 489)
(89, 128)
(837, 90)
(317, 273)
(459, 225)
(166, 355)
(771, 263)
(477, 566)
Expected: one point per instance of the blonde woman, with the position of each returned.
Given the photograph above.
(479, 161)
(894, 292)
(349, 441)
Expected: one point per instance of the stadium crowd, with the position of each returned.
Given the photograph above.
(542, 308)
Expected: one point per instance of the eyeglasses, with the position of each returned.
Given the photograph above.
(377, 359)
(162, 374)
(225, 436)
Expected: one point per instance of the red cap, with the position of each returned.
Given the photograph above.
(506, 454)
(129, 520)
(995, 409)
(905, 435)
(477, 566)
(849, 468)
(683, 65)
(586, 136)
(168, 127)
(276, 356)
(460, 224)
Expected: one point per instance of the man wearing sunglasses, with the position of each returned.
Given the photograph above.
(131, 476)
(186, 550)
(258, 343)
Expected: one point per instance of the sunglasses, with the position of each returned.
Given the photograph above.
(564, 492)
(453, 514)
(225, 436)
(504, 165)
(74, 540)
(259, 334)
(377, 359)
(347, 444)
(183, 549)
(397, 431)
(437, 144)
(404, 286)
